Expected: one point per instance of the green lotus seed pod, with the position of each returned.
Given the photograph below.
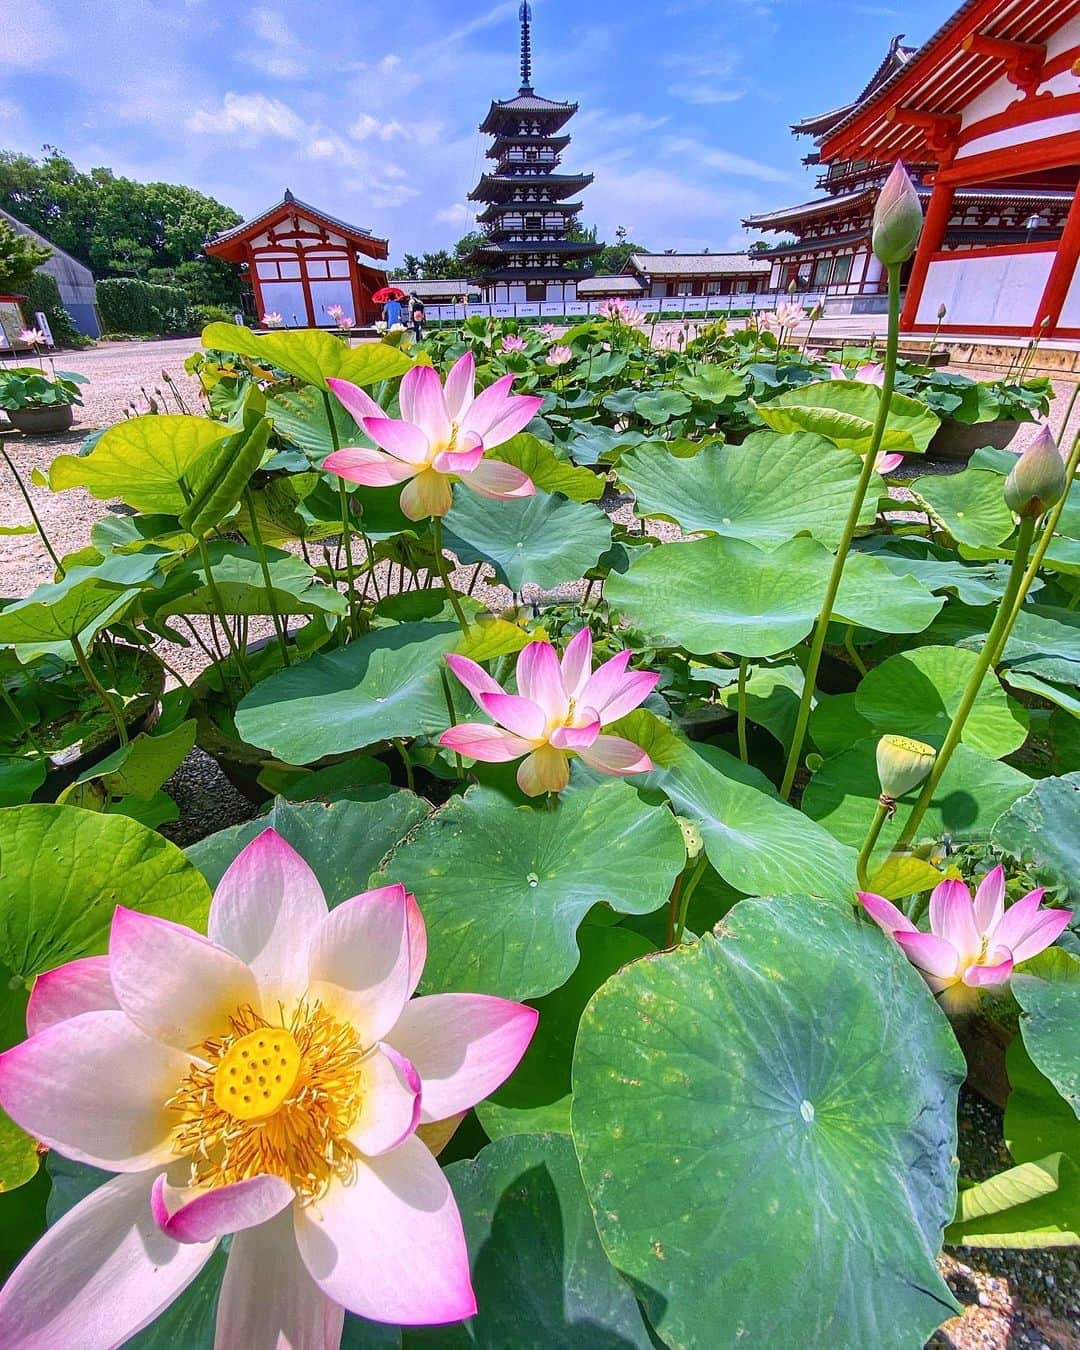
(898, 219)
(691, 837)
(1037, 481)
(902, 764)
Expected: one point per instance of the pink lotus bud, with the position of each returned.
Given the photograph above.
(1037, 481)
(897, 219)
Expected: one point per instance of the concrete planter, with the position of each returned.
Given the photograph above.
(960, 440)
(42, 421)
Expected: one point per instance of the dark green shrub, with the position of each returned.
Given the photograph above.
(43, 294)
(131, 306)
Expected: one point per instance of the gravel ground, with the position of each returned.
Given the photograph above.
(1011, 1299)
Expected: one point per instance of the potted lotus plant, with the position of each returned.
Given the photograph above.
(37, 405)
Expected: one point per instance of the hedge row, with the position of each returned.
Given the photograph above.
(131, 306)
(43, 295)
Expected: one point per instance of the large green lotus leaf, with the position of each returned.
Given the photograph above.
(714, 384)
(756, 842)
(772, 698)
(222, 475)
(1048, 990)
(63, 871)
(970, 505)
(543, 539)
(386, 684)
(972, 583)
(1038, 1120)
(503, 888)
(310, 354)
(238, 576)
(765, 1123)
(844, 412)
(136, 770)
(873, 597)
(541, 1277)
(835, 725)
(661, 407)
(342, 842)
(1043, 828)
(723, 595)
(1031, 1206)
(916, 693)
(973, 793)
(82, 604)
(20, 778)
(767, 490)
(551, 474)
(299, 416)
(539, 1088)
(142, 461)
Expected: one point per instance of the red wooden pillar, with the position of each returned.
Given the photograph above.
(256, 287)
(1061, 273)
(933, 235)
(354, 286)
(305, 282)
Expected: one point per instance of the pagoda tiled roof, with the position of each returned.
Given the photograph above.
(694, 264)
(525, 101)
(811, 245)
(363, 238)
(824, 206)
(896, 59)
(496, 187)
(820, 206)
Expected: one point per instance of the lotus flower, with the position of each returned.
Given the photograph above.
(971, 944)
(548, 329)
(619, 311)
(559, 355)
(335, 311)
(267, 1082)
(440, 438)
(557, 712)
(872, 372)
(272, 319)
(898, 219)
(513, 343)
(34, 336)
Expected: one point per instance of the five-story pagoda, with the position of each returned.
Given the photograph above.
(529, 207)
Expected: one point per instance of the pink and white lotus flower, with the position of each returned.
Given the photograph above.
(558, 711)
(439, 440)
(268, 1082)
(513, 343)
(559, 355)
(871, 372)
(972, 944)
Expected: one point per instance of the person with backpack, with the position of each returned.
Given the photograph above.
(416, 316)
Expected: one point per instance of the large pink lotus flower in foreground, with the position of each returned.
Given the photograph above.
(268, 1082)
(971, 944)
(557, 712)
(872, 372)
(439, 439)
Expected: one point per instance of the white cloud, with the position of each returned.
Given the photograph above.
(252, 116)
(724, 160)
(282, 55)
(457, 214)
(366, 127)
(29, 36)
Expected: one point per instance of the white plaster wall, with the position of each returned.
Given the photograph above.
(1022, 135)
(1070, 311)
(1003, 290)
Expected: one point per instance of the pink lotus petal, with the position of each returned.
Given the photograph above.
(1013, 926)
(1044, 931)
(487, 408)
(188, 1215)
(990, 900)
(460, 387)
(100, 1274)
(371, 468)
(539, 679)
(520, 715)
(886, 461)
(952, 917)
(403, 440)
(837, 371)
(577, 663)
(929, 952)
(498, 481)
(579, 737)
(463, 1046)
(616, 755)
(414, 921)
(605, 683)
(474, 677)
(516, 416)
(389, 1246)
(78, 987)
(885, 914)
(175, 985)
(458, 461)
(359, 961)
(490, 745)
(391, 1102)
(268, 1297)
(421, 400)
(980, 976)
(94, 1087)
(267, 908)
(545, 770)
(634, 690)
(429, 494)
(354, 400)
(871, 373)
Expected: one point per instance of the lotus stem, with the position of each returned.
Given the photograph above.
(852, 651)
(440, 563)
(885, 807)
(1015, 591)
(264, 564)
(410, 781)
(95, 684)
(687, 895)
(1047, 537)
(817, 645)
(20, 720)
(744, 753)
(346, 522)
(33, 513)
(233, 641)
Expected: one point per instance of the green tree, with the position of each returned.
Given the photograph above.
(19, 256)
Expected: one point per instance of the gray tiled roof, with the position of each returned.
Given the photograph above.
(696, 264)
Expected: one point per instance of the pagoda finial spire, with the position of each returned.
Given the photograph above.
(525, 15)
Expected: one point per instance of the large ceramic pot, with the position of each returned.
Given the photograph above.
(41, 421)
(960, 440)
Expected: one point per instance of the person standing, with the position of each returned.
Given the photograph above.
(392, 311)
(416, 316)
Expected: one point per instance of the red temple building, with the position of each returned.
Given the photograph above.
(302, 262)
(992, 100)
(830, 254)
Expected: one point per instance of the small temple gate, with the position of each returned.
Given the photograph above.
(528, 213)
(302, 262)
(992, 102)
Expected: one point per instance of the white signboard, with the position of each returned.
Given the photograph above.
(478, 311)
(556, 308)
(528, 310)
(695, 304)
(43, 323)
(575, 307)
(503, 311)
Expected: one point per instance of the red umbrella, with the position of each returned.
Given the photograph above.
(387, 293)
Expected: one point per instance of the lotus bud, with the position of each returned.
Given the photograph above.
(898, 219)
(793, 286)
(691, 837)
(1037, 481)
(902, 764)
(941, 312)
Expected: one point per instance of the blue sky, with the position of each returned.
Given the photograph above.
(369, 108)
